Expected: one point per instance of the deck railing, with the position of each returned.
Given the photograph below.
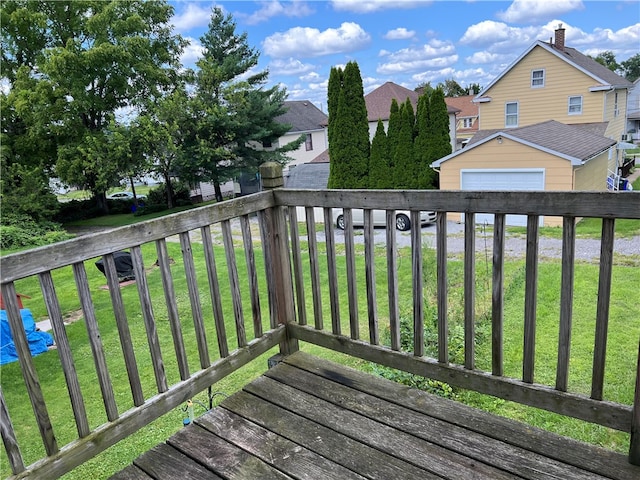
(289, 285)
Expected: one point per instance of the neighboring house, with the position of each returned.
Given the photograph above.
(466, 119)
(305, 119)
(553, 81)
(313, 175)
(633, 114)
(545, 156)
(378, 103)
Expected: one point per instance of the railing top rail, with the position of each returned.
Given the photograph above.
(576, 204)
(38, 260)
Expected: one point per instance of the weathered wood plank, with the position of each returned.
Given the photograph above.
(477, 446)
(130, 473)
(578, 204)
(222, 457)
(314, 268)
(334, 299)
(370, 278)
(442, 288)
(604, 413)
(234, 282)
(339, 448)
(352, 286)
(469, 290)
(634, 447)
(417, 285)
(602, 308)
(590, 457)
(95, 341)
(164, 264)
(164, 462)
(392, 280)
(149, 320)
(252, 275)
(9, 438)
(433, 458)
(29, 373)
(267, 236)
(66, 357)
(194, 300)
(497, 297)
(297, 266)
(530, 299)
(566, 302)
(214, 292)
(41, 259)
(280, 452)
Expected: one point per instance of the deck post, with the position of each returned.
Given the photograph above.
(279, 272)
(634, 448)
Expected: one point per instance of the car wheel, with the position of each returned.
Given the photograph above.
(340, 222)
(402, 222)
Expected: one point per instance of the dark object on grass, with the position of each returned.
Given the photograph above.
(124, 266)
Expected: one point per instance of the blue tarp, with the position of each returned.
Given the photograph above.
(39, 341)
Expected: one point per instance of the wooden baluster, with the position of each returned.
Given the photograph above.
(214, 291)
(334, 298)
(566, 302)
(314, 268)
(149, 319)
(95, 341)
(418, 284)
(370, 274)
(352, 290)
(497, 297)
(392, 280)
(469, 290)
(634, 447)
(441, 261)
(232, 270)
(164, 263)
(297, 266)
(530, 299)
(9, 438)
(252, 276)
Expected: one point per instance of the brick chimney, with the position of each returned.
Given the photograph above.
(559, 43)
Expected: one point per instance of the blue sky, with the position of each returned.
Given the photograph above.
(408, 42)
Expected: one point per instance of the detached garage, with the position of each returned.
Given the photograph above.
(544, 157)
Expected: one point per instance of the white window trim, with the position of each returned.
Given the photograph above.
(544, 77)
(569, 112)
(517, 114)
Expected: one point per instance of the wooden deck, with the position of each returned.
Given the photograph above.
(308, 418)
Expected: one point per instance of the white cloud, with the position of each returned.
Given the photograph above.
(290, 66)
(528, 11)
(433, 76)
(310, 42)
(484, 57)
(295, 8)
(368, 6)
(415, 65)
(489, 34)
(194, 15)
(399, 34)
(192, 52)
(435, 54)
(310, 77)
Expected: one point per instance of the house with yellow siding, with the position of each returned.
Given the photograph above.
(548, 82)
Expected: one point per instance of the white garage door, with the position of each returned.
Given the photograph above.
(503, 179)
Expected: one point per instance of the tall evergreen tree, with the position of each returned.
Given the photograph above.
(333, 96)
(349, 153)
(426, 175)
(379, 177)
(439, 141)
(403, 161)
(392, 132)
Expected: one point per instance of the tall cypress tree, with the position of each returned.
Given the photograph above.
(426, 175)
(393, 129)
(403, 161)
(333, 96)
(379, 177)
(439, 139)
(349, 153)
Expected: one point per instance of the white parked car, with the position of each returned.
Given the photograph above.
(125, 196)
(403, 218)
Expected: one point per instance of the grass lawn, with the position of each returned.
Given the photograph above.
(621, 355)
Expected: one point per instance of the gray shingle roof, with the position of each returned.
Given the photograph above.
(313, 176)
(303, 116)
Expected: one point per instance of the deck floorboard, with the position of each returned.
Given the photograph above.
(308, 418)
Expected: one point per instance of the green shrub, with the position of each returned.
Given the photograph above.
(19, 231)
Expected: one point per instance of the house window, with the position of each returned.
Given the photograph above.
(616, 112)
(467, 122)
(308, 143)
(537, 78)
(575, 105)
(266, 144)
(511, 114)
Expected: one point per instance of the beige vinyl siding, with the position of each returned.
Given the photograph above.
(616, 126)
(592, 175)
(542, 103)
(508, 155)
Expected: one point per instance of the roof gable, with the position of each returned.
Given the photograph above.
(601, 75)
(573, 143)
(303, 116)
(378, 101)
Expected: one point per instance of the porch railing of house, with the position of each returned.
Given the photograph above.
(283, 298)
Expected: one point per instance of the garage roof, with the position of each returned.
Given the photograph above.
(571, 142)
